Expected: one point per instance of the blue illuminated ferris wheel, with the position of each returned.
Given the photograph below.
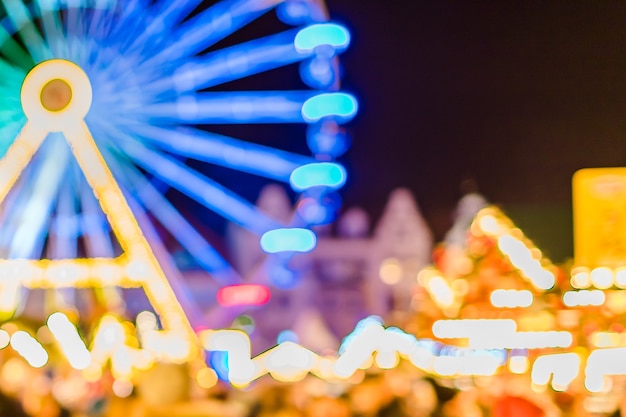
(162, 74)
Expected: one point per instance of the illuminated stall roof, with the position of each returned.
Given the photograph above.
(491, 235)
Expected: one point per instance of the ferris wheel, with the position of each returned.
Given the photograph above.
(163, 76)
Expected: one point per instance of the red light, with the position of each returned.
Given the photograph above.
(244, 294)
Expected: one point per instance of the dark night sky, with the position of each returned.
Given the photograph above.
(515, 94)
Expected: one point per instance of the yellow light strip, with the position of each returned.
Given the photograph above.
(563, 367)
(68, 338)
(522, 254)
(60, 273)
(138, 266)
(511, 298)
(601, 277)
(584, 298)
(290, 362)
(29, 348)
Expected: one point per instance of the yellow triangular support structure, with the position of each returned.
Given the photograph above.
(56, 97)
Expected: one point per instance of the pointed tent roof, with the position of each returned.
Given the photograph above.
(488, 235)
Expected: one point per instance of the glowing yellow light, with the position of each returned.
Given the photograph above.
(5, 338)
(442, 292)
(206, 378)
(521, 340)
(620, 277)
(602, 363)
(13, 373)
(369, 362)
(563, 367)
(122, 387)
(68, 338)
(479, 365)
(511, 298)
(446, 365)
(479, 328)
(289, 362)
(580, 278)
(29, 348)
(92, 373)
(602, 278)
(595, 384)
(615, 301)
(584, 298)
(391, 271)
(518, 364)
(387, 359)
(489, 224)
(522, 258)
(608, 339)
(460, 286)
(512, 243)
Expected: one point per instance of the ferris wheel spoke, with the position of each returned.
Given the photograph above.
(224, 151)
(130, 24)
(202, 189)
(52, 26)
(231, 108)
(207, 28)
(22, 19)
(165, 15)
(170, 218)
(101, 23)
(74, 23)
(12, 76)
(37, 211)
(11, 49)
(152, 200)
(65, 226)
(174, 278)
(232, 63)
(100, 14)
(11, 121)
(97, 239)
(12, 209)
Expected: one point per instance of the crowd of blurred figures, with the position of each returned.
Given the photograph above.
(347, 281)
(400, 392)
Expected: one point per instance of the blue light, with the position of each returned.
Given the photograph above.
(293, 12)
(283, 277)
(151, 63)
(219, 363)
(242, 107)
(235, 62)
(318, 206)
(320, 34)
(207, 28)
(287, 336)
(201, 188)
(318, 73)
(323, 174)
(176, 224)
(288, 240)
(223, 150)
(342, 105)
(327, 139)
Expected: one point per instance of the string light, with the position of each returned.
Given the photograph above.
(520, 251)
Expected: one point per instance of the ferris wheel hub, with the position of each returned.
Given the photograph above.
(55, 93)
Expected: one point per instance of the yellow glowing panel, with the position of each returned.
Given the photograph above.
(56, 96)
(599, 202)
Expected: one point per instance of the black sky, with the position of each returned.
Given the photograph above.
(515, 94)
